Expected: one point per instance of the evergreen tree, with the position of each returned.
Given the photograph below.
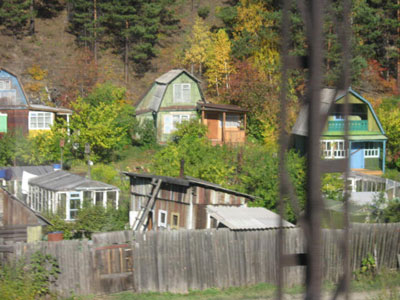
(14, 16)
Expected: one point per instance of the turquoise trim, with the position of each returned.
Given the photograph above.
(370, 107)
(359, 125)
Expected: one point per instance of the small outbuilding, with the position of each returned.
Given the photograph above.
(63, 193)
(244, 218)
(18, 222)
(162, 202)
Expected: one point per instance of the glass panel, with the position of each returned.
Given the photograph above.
(112, 198)
(47, 120)
(73, 214)
(74, 203)
(99, 198)
(177, 93)
(61, 206)
(186, 92)
(40, 121)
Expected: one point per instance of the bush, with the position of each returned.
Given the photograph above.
(31, 281)
(146, 133)
(203, 12)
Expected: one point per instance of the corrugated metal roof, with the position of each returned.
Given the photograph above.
(65, 181)
(166, 78)
(15, 173)
(246, 218)
(187, 180)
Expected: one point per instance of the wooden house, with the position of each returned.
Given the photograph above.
(367, 139)
(225, 123)
(16, 113)
(176, 96)
(63, 193)
(18, 222)
(161, 202)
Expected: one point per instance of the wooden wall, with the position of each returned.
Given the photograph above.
(177, 261)
(17, 119)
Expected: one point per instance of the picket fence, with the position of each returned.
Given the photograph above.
(182, 260)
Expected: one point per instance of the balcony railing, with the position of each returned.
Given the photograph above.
(359, 125)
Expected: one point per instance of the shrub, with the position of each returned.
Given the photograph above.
(203, 12)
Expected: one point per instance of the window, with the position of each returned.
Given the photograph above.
(333, 149)
(174, 221)
(232, 121)
(74, 205)
(182, 92)
(170, 121)
(371, 150)
(162, 218)
(40, 120)
(5, 84)
(99, 199)
(3, 122)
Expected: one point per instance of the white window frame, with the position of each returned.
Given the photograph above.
(69, 198)
(5, 84)
(37, 114)
(182, 97)
(370, 151)
(160, 223)
(232, 121)
(332, 153)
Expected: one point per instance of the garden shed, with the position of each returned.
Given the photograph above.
(63, 193)
(163, 202)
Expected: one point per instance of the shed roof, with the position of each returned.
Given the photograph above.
(65, 181)
(187, 181)
(168, 77)
(15, 173)
(246, 218)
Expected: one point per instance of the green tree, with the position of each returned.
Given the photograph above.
(14, 16)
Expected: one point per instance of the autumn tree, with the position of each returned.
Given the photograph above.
(199, 41)
(219, 62)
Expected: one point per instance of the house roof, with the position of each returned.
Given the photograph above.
(15, 173)
(152, 99)
(65, 181)
(246, 218)
(168, 77)
(58, 110)
(219, 107)
(187, 181)
(328, 96)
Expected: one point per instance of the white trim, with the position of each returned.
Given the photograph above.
(68, 217)
(160, 223)
(331, 152)
(36, 125)
(181, 87)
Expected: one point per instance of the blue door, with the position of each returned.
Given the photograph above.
(357, 156)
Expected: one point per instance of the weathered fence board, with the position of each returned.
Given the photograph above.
(178, 261)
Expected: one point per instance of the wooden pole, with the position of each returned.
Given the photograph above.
(223, 126)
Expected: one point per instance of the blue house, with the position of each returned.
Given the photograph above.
(367, 139)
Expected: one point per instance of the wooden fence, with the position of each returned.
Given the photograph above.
(177, 261)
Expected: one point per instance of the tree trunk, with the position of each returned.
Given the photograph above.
(95, 31)
(32, 18)
(126, 61)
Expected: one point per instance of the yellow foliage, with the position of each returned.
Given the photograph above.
(219, 62)
(199, 40)
(34, 87)
(249, 17)
(37, 73)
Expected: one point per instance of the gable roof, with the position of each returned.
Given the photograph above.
(151, 101)
(246, 218)
(328, 96)
(21, 100)
(168, 77)
(65, 181)
(187, 181)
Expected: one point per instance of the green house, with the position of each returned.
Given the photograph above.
(171, 99)
(367, 139)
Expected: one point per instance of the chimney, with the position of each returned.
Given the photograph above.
(182, 170)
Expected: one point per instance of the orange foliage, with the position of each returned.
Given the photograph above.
(373, 76)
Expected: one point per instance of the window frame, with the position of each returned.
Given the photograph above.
(183, 98)
(69, 209)
(160, 223)
(332, 153)
(371, 150)
(175, 226)
(37, 114)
